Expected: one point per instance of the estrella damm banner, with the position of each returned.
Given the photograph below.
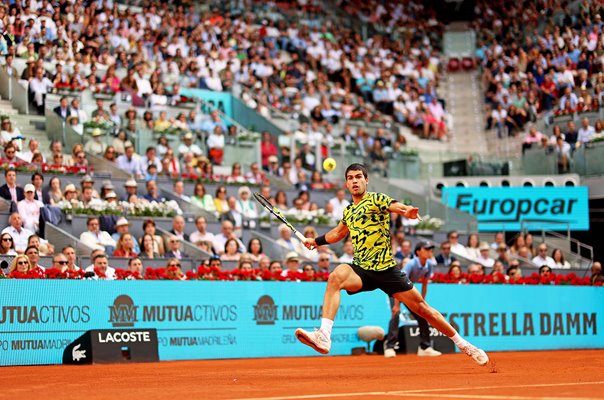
(515, 208)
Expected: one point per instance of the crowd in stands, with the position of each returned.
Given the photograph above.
(540, 59)
(325, 76)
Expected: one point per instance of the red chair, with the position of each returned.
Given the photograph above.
(467, 63)
(453, 65)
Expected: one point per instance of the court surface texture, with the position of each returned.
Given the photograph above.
(511, 375)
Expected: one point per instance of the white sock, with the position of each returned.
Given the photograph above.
(458, 340)
(326, 325)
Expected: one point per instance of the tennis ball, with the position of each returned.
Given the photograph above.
(329, 164)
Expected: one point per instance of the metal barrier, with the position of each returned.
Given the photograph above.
(100, 164)
(19, 96)
(60, 238)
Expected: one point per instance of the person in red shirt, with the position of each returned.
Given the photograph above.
(267, 149)
(125, 246)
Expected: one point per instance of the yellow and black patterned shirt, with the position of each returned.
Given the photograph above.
(369, 226)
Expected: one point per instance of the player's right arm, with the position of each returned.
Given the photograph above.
(335, 235)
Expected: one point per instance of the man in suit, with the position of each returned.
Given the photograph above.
(10, 190)
(174, 249)
(63, 110)
(178, 228)
(8, 66)
(445, 257)
(233, 215)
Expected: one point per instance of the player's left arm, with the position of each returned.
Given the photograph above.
(404, 210)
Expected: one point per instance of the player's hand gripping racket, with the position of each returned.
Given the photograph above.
(273, 210)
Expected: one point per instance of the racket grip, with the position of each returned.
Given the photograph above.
(300, 236)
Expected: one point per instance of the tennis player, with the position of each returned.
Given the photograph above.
(367, 219)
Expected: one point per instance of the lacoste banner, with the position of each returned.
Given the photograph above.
(213, 320)
(496, 209)
(194, 320)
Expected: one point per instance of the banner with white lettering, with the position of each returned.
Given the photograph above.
(517, 208)
(211, 320)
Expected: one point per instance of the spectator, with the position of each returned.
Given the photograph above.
(95, 238)
(44, 248)
(41, 194)
(563, 155)
(339, 203)
(559, 260)
(585, 133)
(234, 216)
(445, 257)
(34, 147)
(475, 269)
(131, 189)
(267, 150)
(292, 262)
(135, 267)
(16, 230)
(38, 87)
(202, 199)
(153, 193)
(571, 135)
(19, 265)
(502, 255)
(220, 201)
(231, 251)
(201, 235)
(179, 190)
(545, 272)
(472, 248)
(542, 258)
(227, 232)
(10, 153)
(514, 273)
(96, 146)
(34, 258)
(125, 246)
(29, 208)
(189, 147)
(456, 247)
(100, 267)
(174, 249)
(484, 257)
(147, 247)
(7, 245)
(245, 205)
(286, 240)
(178, 228)
(173, 269)
(216, 143)
(70, 253)
(130, 162)
(254, 249)
(122, 226)
(10, 190)
(63, 110)
(533, 137)
(60, 262)
(596, 273)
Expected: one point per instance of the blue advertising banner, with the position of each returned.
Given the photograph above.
(509, 317)
(194, 320)
(214, 320)
(514, 208)
(221, 100)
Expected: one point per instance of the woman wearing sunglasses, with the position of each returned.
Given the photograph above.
(19, 266)
(7, 245)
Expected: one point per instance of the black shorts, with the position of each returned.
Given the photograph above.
(391, 280)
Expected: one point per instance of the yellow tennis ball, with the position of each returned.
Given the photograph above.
(329, 164)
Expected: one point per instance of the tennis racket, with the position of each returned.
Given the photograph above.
(273, 210)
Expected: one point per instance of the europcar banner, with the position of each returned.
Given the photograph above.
(514, 208)
(214, 320)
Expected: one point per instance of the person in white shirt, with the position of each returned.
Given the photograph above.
(348, 256)
(179, 190)
(585, 133)
(245, 205)
(201, 235)
(286, 240)
(101, 269)
(226, 234)
(339, 203)
(39, 86)
(216, 143)
(189, 147)
(95, 146)
(34, 147)
(19, 234)
(96, 238)
(456, 247)
(29, 208)
(484, 258)
(542, 258)
(129, 162)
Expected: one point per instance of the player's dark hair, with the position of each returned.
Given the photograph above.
(357, 167)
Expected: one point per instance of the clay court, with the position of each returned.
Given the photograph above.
(517, 375)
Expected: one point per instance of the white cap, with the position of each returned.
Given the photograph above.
(29, 188)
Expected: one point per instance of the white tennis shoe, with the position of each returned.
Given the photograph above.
(389, 353)
(477, 354)
(428, 352)
(317, 340)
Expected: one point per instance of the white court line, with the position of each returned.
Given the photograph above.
(421, 392)
(485, 397)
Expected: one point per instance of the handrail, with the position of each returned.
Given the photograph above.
(224, 116)
(60, 238)
(194, 252)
